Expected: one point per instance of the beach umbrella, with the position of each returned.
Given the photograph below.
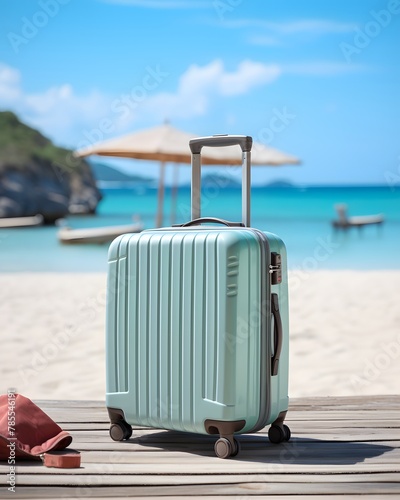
(165, 143)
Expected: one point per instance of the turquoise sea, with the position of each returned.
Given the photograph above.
(301, 216)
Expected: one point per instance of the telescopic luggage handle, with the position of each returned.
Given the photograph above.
(245, 142)
(220, 140)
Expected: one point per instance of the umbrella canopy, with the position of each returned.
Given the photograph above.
(260, 155)
(168, 144)
(165, 143)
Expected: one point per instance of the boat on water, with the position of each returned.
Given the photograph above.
(104, 234)
(15, 222)
(345, 222)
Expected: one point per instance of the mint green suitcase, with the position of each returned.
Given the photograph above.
(197, 325)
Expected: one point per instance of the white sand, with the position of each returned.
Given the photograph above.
(345, 334)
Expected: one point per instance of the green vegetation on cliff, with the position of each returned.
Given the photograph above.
(38, 177)
(21, 146)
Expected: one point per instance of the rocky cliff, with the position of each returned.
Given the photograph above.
(36, 177)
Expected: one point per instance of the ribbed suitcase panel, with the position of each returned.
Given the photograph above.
(190, 346)
(117, 355)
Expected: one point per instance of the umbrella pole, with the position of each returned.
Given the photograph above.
(160, 201)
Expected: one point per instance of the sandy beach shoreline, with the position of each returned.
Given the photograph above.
(344, 334)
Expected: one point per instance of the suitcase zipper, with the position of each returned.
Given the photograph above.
(265, 350)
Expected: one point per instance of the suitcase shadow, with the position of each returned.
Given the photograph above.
(258, 448)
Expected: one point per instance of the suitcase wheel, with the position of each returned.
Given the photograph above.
(120, 430)
(287, 432)
(277, 434)
(237, 448)
(223, 448)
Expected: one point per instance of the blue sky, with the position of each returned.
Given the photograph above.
(316, 79)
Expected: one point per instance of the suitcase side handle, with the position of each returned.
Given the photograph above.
(245, 142)
(220, 140)
(213, 220)
(278, 334)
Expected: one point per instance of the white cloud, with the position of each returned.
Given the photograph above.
(9, 83)
(272, 32)
(214, 77)
(163, 4)
(57, 111)
(312, 26)
(321, 68)
(266, 40)
(71, 119)
(64, 115)
(49, 100)
(199, 85)
(249, 74)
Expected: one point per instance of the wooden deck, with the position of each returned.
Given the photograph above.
(339, 446)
